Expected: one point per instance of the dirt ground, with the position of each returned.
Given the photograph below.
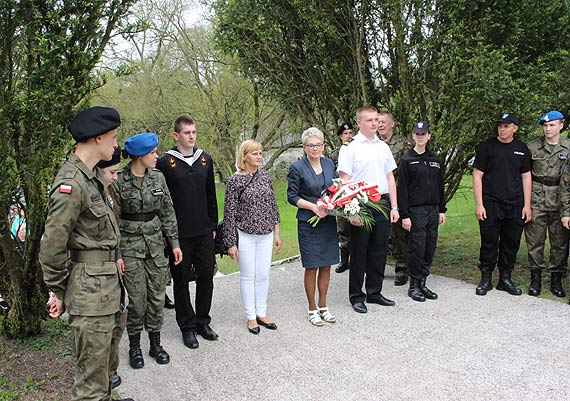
(37, 369)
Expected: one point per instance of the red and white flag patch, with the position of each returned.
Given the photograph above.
(65, 189)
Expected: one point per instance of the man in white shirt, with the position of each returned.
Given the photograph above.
(369, 159)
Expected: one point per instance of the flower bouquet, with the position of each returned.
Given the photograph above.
(350, 199)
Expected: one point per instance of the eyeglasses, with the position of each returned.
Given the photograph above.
(316, 145)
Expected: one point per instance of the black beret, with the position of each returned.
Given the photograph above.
(343, 128)
(93, 122)
(116, 159)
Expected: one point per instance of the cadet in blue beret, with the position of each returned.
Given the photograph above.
(549, 157)
(502, 186)
(79, 247)
(145, 212)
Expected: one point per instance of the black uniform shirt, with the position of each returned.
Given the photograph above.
(502, 165)
(420, 182)
(193, 192)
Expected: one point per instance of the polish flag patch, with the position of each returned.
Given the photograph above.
(65, 189)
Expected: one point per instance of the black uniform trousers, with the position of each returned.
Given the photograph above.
(500, 236)
(198, 255)
(422, 239)
(368, 257)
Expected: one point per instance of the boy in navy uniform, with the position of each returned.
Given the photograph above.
(502, 186)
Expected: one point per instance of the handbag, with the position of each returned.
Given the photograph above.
(220, 247)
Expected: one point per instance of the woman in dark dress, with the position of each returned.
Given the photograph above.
(307, 178)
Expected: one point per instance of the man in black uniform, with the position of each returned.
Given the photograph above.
(502, 186)
(189, 173)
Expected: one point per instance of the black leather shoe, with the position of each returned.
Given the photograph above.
(556, 285)
(254, 330)
(342, 268)
(190, 340)
(380, 300)
(168, 304)
(415, 292)
(156, 351)
(270, 326)
(535, 282)
(136, 360)
(429, 294)
(400, 280)
(359, 307)
(115, 381)
(207, 332)
(506, 284)
(485, 284)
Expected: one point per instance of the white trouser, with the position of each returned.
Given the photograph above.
(254, 259)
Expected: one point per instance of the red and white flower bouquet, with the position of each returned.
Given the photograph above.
(350, 199)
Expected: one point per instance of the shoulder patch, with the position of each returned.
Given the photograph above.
(65, 189)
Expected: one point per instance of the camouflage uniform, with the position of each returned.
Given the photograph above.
(399, 145)
(78, 256)
(547, 168)
(146, 212)
(343, 225)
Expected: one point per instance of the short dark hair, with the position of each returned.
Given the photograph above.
(182, 120)
(387, 113)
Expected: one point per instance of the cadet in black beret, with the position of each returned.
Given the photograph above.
(93, 122)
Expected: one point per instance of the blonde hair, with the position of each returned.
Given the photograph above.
(312, 132)
(365, 109)
(251, 145)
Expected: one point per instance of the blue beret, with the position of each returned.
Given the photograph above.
(551, 116)
(93, 122)
(141, 144)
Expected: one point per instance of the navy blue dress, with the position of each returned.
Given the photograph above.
(318, 245)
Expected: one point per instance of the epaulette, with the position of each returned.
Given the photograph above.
(347, 142)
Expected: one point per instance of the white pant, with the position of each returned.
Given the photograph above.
(254, 259)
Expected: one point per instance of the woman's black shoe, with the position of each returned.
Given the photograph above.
(270, 326)
(254, 330)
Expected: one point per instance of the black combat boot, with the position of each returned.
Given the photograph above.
(343, 265)
(429, 294)
(485, 284)
(556, 285)
(535, 282)
(135, 354)
(506, 284)
(401, 278)
(156, 350)
(414, 291)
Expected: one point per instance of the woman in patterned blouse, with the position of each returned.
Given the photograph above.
(251, 213)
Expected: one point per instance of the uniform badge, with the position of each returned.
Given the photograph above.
(434, 164)
(172, 162)
(65, 189)
(203, 161)
(157, 191)
(563, 156)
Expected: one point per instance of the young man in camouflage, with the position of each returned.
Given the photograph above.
(78, 252)
(344, 133)
(549, 156)
(398, 146)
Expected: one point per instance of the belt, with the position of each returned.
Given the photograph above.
(94, 255)
(139, 216)
(548, 181)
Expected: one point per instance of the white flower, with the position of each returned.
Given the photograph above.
(363, 198)
(352, 208)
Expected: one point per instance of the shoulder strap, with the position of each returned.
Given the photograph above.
(246, 185)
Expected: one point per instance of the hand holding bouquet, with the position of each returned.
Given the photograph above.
(351, 199)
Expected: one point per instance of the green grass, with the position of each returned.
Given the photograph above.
(288, 226)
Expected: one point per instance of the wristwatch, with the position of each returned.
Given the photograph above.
(395, 208)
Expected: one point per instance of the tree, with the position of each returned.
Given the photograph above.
(48, 51)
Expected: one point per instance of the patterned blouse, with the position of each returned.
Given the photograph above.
(256, 211)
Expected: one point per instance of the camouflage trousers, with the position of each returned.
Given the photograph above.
(399, 248)
(120, 323)
(145, 280)
(91, 341)
(544, 222)
(343, 228)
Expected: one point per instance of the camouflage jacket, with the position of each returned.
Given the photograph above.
(547, 168)
(399, 145)
(80, 218)
(140, 239)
